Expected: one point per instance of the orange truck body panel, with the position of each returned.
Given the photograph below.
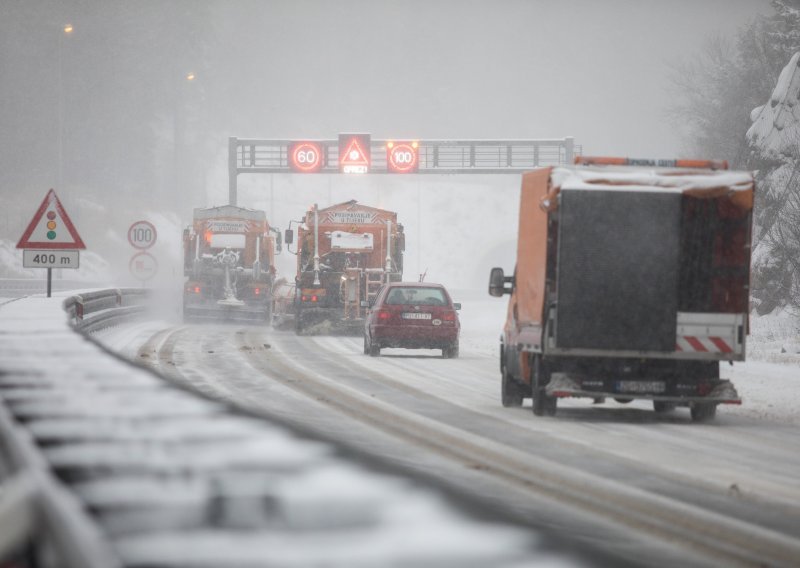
(631, 281)
(245, 292)
(349, 217)
(531, 249)
(353, 241)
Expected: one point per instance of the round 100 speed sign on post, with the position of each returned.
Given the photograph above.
(142, 235)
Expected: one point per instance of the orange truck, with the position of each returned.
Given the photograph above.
(229, 265)
(345, 254)
(631, 282)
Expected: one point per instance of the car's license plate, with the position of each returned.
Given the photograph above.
(641, 386)
(416, 315)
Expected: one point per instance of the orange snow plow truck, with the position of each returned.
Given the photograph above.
(631, 282)
(228, 262)
(345, 254)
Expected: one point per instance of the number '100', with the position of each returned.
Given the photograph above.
(403, 157)
(142, 235)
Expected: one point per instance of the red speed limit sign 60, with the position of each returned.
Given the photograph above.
(305, 157)
(142, 235)
(402, 157)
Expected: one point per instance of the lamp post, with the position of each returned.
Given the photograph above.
(179, 135)
(66, 32)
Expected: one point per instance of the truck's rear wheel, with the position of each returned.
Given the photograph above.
(703, 411)
(542, 403)
(663, 406)
(370, 348)
(511, 393)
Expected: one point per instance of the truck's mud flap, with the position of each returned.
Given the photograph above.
(561, 385)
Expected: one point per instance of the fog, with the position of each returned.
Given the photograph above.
(128, 115)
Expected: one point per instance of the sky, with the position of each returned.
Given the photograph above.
(107, 117)
(597, 71)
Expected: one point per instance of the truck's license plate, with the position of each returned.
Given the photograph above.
(641, 386)
(416, 316)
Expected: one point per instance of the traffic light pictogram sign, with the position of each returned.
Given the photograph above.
(51, 228)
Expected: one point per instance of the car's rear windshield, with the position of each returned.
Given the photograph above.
(417, 296)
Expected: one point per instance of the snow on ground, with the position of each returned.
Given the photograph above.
(405, 524)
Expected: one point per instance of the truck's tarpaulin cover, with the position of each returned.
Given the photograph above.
(618, 269)
(539, 195)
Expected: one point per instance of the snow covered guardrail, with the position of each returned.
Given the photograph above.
(95, 310)
(32, 502)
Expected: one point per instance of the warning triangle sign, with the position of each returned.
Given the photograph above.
(51, 228)
(354, 154)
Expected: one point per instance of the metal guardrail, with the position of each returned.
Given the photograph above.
(33, 501)
(37, 512)
(93, 311)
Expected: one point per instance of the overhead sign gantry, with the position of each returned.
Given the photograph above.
(360, 154)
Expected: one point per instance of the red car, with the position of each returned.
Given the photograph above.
(414, 315)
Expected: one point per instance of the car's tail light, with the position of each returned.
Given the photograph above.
(384, 314)
(257, 291)
(449, 316)
(311, 298)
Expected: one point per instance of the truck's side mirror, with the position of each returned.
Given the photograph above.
(288, 236)
(497, 283)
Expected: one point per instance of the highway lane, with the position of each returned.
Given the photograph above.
(619, 477)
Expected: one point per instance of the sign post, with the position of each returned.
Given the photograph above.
(50, 240)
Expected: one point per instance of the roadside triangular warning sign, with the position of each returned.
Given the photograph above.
(354, 154)
(51, 228)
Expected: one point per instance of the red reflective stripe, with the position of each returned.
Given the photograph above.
(696, 344)
(678, 347)
(721, 345)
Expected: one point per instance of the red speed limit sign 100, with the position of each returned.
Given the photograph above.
(142, 235)
(402, 157)
(305, 157)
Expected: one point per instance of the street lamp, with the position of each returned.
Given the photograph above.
(67, 31)
(180, 159)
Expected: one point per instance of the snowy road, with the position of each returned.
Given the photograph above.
(647, 488)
